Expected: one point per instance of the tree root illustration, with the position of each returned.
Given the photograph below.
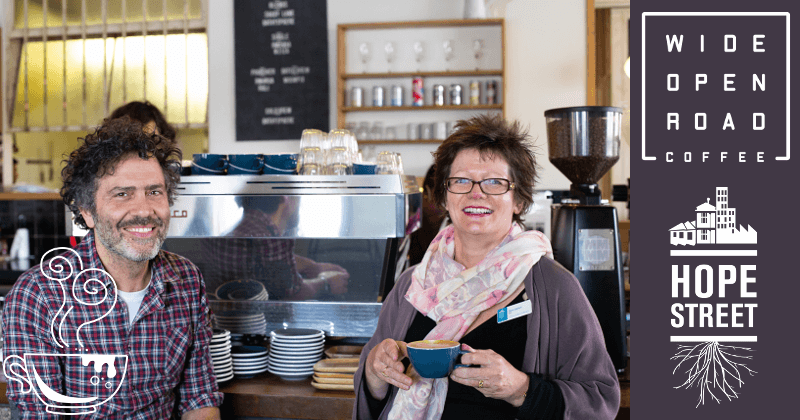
(713, 367)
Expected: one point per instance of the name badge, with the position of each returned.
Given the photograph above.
(514, 311)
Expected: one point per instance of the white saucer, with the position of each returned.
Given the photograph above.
(222, 366)
(223, 372)
(289, 353)
(250, 362)
(292, 368)
(297, 333)
(313, 346)
(219, 345)
(293, 359)
(239, 356)
(251, 367)
(291, 376)
(225, 378)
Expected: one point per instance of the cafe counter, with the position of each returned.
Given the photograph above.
(266, 396)
(269, 396)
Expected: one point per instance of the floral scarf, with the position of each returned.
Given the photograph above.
(444, 291)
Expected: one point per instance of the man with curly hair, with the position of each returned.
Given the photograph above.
(149, 311)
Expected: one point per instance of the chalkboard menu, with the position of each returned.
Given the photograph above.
(281, 49)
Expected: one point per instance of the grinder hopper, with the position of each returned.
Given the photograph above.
(584, 144)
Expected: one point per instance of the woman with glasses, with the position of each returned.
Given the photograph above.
(546, 359)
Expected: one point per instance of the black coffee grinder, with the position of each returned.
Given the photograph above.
(584, 144)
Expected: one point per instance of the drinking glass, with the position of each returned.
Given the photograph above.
(448, 45)
(366, 53)
(339, 138)
(419, 52)
(398, 164)
(377, 131)
(352, 145)
(363, 131)
(390, 54)
(477, 48)
(391, 133)
(386, 164)
(310, 138)
(340, 162)
(311, 158)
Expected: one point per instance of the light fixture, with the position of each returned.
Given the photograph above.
(628, 67)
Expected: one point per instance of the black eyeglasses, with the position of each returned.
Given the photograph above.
(490, 186)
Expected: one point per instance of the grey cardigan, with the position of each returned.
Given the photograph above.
(565, 343)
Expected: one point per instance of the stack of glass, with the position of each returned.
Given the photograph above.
(389, 163)
(312, 152)
(328, 154)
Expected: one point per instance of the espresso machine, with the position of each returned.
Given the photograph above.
(583, 143)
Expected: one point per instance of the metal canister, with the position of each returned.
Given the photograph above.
(418, 97)
(377, 96)
(474, 92)
(397, 95)
(438, 95)
(455, 94)
(357, 97)
(491, 92)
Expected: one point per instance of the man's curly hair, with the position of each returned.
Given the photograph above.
(102, 150)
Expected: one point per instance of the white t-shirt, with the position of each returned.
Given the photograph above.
(134, 301)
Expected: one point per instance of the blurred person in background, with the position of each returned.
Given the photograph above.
(148, 115)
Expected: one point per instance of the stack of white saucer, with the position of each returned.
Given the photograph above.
(249, 361)
(294, 351)
(221, 355)
(241, 322)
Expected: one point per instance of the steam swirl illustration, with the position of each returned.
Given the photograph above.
(90, 292)
(98, 376)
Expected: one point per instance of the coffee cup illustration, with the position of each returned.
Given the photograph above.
(73, 381)
(98, 376)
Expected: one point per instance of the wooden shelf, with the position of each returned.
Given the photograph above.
(466, 73)
(419, 141)
(421, 108)
(342, 76)
(422, 24)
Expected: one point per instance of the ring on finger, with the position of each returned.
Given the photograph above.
(383, 372)
(480, 384)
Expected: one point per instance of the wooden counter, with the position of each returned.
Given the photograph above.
(13, 196)
(268, 396)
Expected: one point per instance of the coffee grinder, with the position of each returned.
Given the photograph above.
(584, 144)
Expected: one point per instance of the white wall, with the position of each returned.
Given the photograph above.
(545, 68)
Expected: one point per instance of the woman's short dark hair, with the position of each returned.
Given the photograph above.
(113, 141)
(491, 136)
(144, 112)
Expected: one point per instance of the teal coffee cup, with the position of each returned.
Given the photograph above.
(209, 164)
(245, 164)
(434, 358)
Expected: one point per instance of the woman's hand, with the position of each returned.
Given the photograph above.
(495, 378)
(384, 367)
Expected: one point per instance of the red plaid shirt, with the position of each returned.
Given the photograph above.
(169, 369)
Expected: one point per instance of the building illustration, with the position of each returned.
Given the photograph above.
(713, 224)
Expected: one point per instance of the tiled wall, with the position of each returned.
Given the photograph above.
(44, 219)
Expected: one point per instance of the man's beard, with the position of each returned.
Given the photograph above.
(112, 238)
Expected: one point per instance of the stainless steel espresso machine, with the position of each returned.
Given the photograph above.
(584, 144)
(251, 235)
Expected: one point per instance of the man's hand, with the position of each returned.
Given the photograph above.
(205, 413)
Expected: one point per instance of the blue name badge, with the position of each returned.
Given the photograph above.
(514, 311)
